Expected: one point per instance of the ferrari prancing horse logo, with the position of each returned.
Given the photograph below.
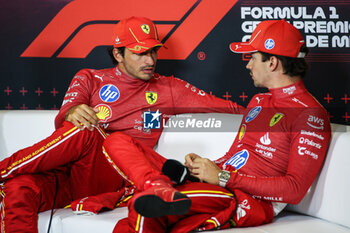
(276, 118)
(151, 97)
(145, 28)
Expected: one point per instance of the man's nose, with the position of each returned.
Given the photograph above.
(149, 59)
(248, 66)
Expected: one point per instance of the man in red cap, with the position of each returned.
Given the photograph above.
(70, 164)
(282, 142)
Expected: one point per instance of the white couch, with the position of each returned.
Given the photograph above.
(325, 208)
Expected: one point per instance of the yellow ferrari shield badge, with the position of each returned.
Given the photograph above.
(145, 28)
(151, 97)
(276, 118)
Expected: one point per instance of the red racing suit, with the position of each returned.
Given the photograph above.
(76, 156)
(122, 100)
(281, 145)
(275, 157)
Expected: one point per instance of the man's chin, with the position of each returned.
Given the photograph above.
(146, 77)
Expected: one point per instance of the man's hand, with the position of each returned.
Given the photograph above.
(202, 168)
(189, 158)
(82, 114)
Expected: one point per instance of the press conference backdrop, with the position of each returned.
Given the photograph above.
(45, 42)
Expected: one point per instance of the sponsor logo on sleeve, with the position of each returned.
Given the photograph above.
(252, 114)
(303, 151)
(309, 142)
(71, 94)
(276, 118)
(74, 84)
(66, 101)
(313, 134)
(79, 77)
(238, 160)
(109, 93)
(315, 122)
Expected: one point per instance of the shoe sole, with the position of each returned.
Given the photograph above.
(152, 206)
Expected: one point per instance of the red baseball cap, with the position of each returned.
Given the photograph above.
(138, 34)
(276, 37)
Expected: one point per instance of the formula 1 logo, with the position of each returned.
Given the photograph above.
(83, 25)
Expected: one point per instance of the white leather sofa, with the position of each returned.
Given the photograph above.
(325, 208)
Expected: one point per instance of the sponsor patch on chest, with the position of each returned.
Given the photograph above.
(252, 114)
(109, 93)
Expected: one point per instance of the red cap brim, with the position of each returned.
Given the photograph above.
(143, 46)
(242, 47)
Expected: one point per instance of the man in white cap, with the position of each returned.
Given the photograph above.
(282, 142)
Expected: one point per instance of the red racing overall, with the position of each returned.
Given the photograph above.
(28, 179)
(275, 157)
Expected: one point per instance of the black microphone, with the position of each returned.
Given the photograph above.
(177, 172)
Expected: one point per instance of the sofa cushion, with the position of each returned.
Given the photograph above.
(328, 197)
(288, 222)
(64, 221)
(23, 128)
(211, 143)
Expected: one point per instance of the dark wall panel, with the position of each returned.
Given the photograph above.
(45, 42)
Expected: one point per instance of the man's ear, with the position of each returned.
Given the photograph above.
(117, 55)
(273, 63)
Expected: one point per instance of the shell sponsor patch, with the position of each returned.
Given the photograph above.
(105, 112)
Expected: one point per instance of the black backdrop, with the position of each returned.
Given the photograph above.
(45, 42)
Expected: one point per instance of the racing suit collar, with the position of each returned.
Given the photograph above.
(288, 91)
(121, 76)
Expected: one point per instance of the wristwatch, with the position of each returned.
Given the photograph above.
(224, 176)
